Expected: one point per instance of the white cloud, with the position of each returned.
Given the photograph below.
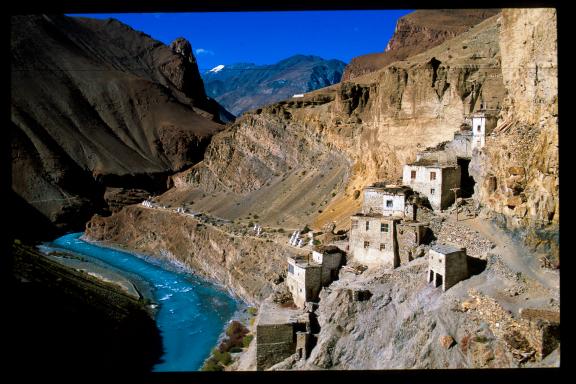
(202, 51)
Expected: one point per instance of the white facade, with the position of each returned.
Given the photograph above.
(478, 131)
(330, 262)
(303, 281)
(426, 180)
(373, 241)
(387, 204)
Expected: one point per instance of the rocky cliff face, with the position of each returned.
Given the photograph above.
(377, 123)
(517, 172)
(244, 87)
(96, 104)
(248, 266)
(415, 33)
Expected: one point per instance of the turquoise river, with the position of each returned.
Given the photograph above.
(192, 312)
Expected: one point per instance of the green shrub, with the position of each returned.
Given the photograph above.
(317, 242)
(252, 310)
(235, 349)
(255, 216)
(356, 194)
(246, 340)
(333, 194)
(281, 230)
(211, 365)
(305, 230)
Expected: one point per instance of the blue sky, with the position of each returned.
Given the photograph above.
(268, 37)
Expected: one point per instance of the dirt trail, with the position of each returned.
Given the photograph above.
(518, 258)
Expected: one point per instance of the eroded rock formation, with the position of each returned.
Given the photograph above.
(517, 172)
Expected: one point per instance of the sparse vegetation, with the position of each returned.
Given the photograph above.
(317, 242)
(305, 230)
(333, 194)
(356, 194)
(246, 340)
(234, 342)
(252, 310)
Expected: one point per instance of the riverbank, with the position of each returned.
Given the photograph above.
(66, 321)
(191, 312)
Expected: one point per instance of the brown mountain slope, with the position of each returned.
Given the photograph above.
(301, 161)
(96, 104)
(415, 33)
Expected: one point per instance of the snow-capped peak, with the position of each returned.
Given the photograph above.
(217, 68)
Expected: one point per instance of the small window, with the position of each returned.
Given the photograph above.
(367, 225)
(388, 203)
(382, 246)
(478, 129)
(383, 227)
(366, 244)
(412, 175)
(290, 268)
(432, 191)
(354, 224)
(432, 175)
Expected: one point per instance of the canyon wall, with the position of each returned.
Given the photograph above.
(517, 172)
(415, 33)
(248, 266)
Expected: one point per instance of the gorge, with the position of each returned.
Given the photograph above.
(301, 164)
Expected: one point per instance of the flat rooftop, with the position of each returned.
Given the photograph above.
(327, 249)
(446, 249)
(302, 262)
(432, 163)
(392, 189)
(378, 215)
(271, 313)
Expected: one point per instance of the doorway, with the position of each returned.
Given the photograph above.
(466, 181)
(438, 281)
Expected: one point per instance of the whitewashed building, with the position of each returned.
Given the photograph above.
(433, 180)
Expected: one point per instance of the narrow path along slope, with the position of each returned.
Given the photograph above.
(518, 258)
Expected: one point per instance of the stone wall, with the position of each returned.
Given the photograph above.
(305, 283)
(409, 237)
(452, 266)
(372, 255)
(450, 179)
(375, 202)
(274, 343)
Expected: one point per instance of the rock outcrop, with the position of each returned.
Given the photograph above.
(415, 33)
(96, 104)
(242, 87)
(249, 267)
(376, 123)
(517, 172)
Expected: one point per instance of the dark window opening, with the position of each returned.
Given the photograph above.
(383, 227)
(466, 181)
(432, 175)
(388, 203)
(366, 244)
(412, 174)
(478, 129)
(382, 246)
(432, 191)
(431, 277)
(367, 225)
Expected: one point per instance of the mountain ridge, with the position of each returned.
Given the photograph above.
(246, 86)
